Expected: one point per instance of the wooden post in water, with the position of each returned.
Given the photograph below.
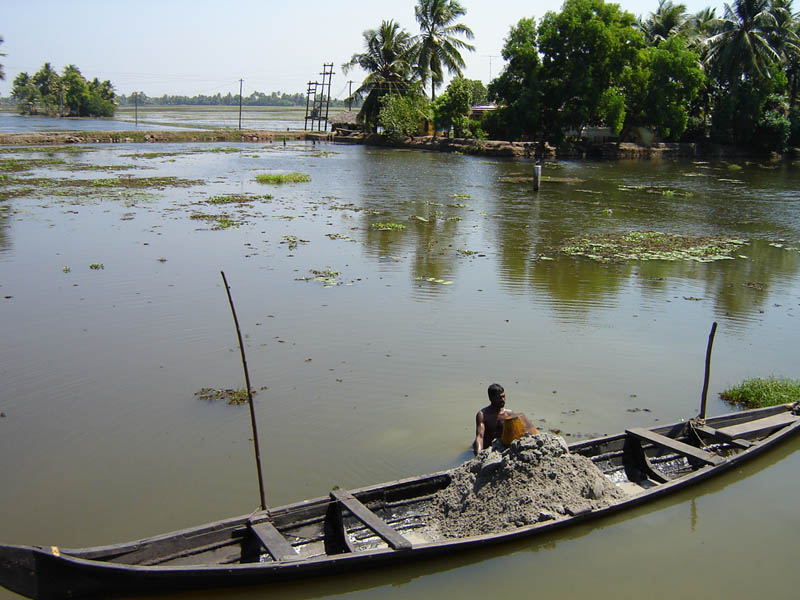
(704, 398)
(249, 396)
(240, 103)
(537, 177)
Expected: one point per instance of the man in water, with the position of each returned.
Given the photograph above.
(489, 420)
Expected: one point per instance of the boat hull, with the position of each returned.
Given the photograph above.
(50, 573)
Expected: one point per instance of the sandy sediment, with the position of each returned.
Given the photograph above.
(535, 479)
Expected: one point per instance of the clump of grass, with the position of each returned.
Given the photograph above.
(237, 199)
(132, 182)
(281, 178)
(14, 165)
(759, 392)
(388, 226)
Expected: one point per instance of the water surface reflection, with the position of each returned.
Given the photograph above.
(379, 377)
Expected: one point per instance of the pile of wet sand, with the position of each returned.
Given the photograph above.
(535, 479)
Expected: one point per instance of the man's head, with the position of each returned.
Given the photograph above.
(497, 395)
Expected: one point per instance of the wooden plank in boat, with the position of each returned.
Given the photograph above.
(371, 520)
(676, 446)
(273, 541)
(720, 435)
(760, 426)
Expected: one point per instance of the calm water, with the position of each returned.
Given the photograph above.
(213, 117)
(148, 118)
(15, 123)
(379, 378)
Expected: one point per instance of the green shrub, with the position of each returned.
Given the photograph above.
(772, 132)
(402, 116)
(794, 119)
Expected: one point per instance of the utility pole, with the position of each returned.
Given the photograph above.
(136, 107)
(240, 103)
(350, 95)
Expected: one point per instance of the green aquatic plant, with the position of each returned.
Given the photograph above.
(339, 236)
(758, 392)
(230, 396)
(97, 266)
(326, 276)
(388, 226)
(151, 154)
(434, 280)
(219, 221)
(237, 199)
(221, 149)
(14, 165)
(130, 182)
(292, 241)
(281, 178)
(650, 245)
(46, 149)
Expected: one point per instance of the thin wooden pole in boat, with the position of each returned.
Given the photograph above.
(249, 396)
(704, 399)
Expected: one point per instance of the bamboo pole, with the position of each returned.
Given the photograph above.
(249, 396)
(704, 397)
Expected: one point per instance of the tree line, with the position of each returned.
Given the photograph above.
(670, 76)
(68, 94)
(254, 99)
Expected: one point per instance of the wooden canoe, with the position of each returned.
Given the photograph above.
(381, 524)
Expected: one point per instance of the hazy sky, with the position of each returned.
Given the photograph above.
(204, 47)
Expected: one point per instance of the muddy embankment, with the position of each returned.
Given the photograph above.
(606, 150)
(176, 136)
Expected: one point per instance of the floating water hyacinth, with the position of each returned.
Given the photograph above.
(650, 245)
(339, 236)
(388, 226)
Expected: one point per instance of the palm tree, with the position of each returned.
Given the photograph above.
(387, 61)
(743, 47)
(784, 35)
(670, 19)
(2, 73)
(701, 26)
(786, 40)
(438, 41)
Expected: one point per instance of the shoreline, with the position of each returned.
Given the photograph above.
(587, 150)
(469, 146)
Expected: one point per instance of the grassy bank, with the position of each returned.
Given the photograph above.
(759, 392)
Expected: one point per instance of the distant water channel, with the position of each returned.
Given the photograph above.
(375, 370)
